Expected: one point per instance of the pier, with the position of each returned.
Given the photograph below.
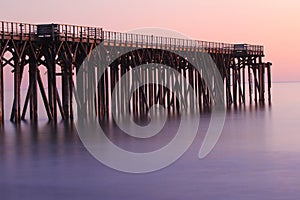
(61, 50)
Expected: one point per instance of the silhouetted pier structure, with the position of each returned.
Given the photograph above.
(61, 49)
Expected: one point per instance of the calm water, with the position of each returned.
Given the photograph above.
(257, 157)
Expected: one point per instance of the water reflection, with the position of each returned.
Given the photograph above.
(257, 157)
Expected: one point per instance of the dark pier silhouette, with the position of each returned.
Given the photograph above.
(61, 50)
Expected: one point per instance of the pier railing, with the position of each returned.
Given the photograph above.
(150, 41)
(79, 31)
(63, 31)
(17, 29)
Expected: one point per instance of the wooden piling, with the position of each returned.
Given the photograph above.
(261, 82)
(52, 97)
(31, 96)
(244, 82)
(101, 97)
(250, 83)
(256, 88)
(1, 95)
(269, 81)
(234, 77)
(107, 93)
(16, 117)
(44, 97)
(34, 97)
(65, 81)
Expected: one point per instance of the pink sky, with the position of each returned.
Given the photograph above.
(272, 23)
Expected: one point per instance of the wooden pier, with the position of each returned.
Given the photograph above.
(61, 50)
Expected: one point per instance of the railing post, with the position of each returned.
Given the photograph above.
(2, 29)
(80, 32)
(29, 31)
(21, 31)
(12, 28)
(74, 30)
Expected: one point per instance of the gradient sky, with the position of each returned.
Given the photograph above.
(272, 23)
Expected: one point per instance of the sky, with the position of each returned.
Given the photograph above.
(272, 23)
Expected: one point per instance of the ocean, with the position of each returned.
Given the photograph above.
(256, 157)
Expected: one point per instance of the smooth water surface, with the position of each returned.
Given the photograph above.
(257, 157)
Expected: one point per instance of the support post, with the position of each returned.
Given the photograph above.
(33, 96)
(234, 72)
(66, 90)
(261, 81)
(16, 117)
(52, 96)
(1, 95)
(269, 81)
